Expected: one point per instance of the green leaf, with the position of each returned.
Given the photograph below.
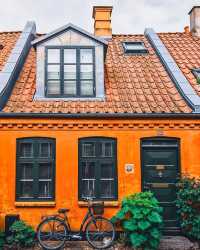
(154, 243)
(155, 233)
(154, 217)
(137, 239)
(129, 225)
(143, 224)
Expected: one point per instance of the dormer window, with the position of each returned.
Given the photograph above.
(70, 71)
(134, 48)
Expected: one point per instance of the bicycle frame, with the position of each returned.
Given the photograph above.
(88, 215)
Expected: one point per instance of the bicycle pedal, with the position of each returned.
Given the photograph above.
(77, 237)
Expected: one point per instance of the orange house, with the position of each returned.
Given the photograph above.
(99, 115)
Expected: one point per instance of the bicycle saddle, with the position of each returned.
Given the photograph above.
(63, 210)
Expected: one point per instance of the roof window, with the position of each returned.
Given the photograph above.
(1, 46)
(196, 73)
(134, 48)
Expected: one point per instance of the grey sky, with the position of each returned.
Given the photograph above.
(129, 16)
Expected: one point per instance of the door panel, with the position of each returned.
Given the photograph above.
(160, 171)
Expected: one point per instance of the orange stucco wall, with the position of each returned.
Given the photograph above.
(67, 133)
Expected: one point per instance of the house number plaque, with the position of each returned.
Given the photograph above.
(129, 168)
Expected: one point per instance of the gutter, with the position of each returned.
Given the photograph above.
(102, 115)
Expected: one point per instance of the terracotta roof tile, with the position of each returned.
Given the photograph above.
(133, 84)
(185, 50)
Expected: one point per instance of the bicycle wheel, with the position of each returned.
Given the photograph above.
(52, 233)
(100, 233)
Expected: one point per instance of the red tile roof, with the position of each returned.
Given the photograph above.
(185, 49)
(133, 84)
(8, 40)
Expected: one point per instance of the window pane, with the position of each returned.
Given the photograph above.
(107, 170)
(26, 150)
(53, 72)
(86, 71)
(45, 189)
(70, 71)
(45, 171)
(86, 55)
(53, 87)
(88, 149)
(107, 188)
(45, 149)
(88, 188)
(106, 149)
(70, 56)
(88, 170)
(26, 189)
(87, 88)
(26, 171)
(70, 87)
(53, 56)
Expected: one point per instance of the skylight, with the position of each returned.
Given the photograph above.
(134, 48)
(196, 72)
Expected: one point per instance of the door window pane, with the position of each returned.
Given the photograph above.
(53, 71)
(70, 71)
(70, 87)
(70, 56)
(26, 150)
(86, 55)
(87, 88)
(88, 149)
(53, 87)
(53, 56)
(86, 71)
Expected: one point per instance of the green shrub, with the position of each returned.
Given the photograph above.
(140, 217)
(188, 204)
(2, 239)
(22, 235)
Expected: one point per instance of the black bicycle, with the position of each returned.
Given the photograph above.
(55, 230)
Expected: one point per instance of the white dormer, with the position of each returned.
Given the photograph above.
(70, 65)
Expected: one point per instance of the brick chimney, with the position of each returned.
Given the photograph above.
(102, 21)
(195, 21)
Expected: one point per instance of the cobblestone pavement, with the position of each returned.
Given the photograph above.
(167, 243)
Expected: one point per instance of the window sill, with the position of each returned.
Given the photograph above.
(35, 204)
(106, 203)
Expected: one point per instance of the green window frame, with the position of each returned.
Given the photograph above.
(98, 168)
(70, 71)
(35, 169)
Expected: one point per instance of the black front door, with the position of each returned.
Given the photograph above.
(160, 172)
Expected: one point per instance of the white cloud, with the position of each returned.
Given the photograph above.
(129, 16)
